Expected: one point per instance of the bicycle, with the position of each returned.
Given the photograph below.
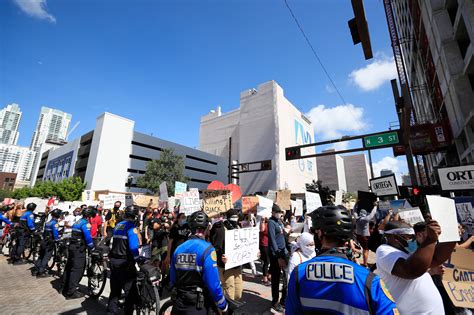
(233, 307)
(32, 247)
(60, 256)
(148, 281)
(96, 271)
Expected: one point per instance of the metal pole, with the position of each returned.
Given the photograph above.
(230, 160)
(371, 167)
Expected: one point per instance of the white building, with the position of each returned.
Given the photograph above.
(357, 172)
(9, 121)
(53, 125)
(264, 125)
(108, 155)
(16, 159)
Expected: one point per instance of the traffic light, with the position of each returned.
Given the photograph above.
(293, 153)
(266, 165)
(416, 191)
(359, 28)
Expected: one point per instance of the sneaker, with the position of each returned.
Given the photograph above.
(75, 295)
(34, 273)
(42, 275)
(278, 308)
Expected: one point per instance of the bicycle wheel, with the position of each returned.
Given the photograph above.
(28, 248)
(97, 278)
(152, 304)
(35, 249)
(166, 308)
(11, 246)
(52, 260)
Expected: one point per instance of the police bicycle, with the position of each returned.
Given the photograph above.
(233, 307)
(32, 246)
(148, 282)
(96, 269)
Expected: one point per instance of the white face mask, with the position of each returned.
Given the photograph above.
(308, 251)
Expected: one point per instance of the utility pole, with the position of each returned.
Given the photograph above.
(371, 167)
(230, 160)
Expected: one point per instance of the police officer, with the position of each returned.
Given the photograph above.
(331, 283)
(25, 228)
(50, 235)
(123, 256)
(76, 261)
(193, 272)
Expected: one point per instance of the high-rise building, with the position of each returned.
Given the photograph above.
(260, 129)
(9, 120)
(16, 159)
(406, 180)
(386, 172)
(356, 170)
(52, 125)
(331, 171)
(436, 43)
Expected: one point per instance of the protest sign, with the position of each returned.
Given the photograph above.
(179, 188)
(41, 204)
(128, 200)
(283, 199)
(384, 186)
(293, 206)
(411, 215)
(462, 258)
(163, 192)
(443, 210)
(365, 200)
(145, 201)
(459, 284)
(313, 201)
(264, 208)
(171, 203)
(190, 202)
(272, 195)
(466, 216)
(299, 207)
(216, 201)
(88, 195)
(241, 246)
(338, 199)
(249, 204)
(110, 199)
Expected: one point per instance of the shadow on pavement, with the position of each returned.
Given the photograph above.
(90, 306)
(255, 303)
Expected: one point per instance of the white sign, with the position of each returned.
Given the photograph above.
(457, 178)
(443, 210)
(272, 195)
(264, 208)
(190, 202)
(338, 200)
(384, 186)
(466, 215)
(110, 199)
(313, 201)
(40, 203)
(241, 246)
(299, 207)
(172, 203)
(411, 215)
(163, 192)
(179, 188)
(293, 205)
(88, 195)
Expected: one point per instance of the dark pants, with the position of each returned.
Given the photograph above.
(276, 272)
(45, 254)
(75, 265)
(265, 257)
(108, 237)
(123, 275)
(22, 237)
(186, 301)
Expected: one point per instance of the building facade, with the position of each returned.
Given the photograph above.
(260, 129)
(7, 180)
(16, 159)
(9, 121)
(357, 172)
(97, 158)
(331, 171)
(436, 43)
(52, 125)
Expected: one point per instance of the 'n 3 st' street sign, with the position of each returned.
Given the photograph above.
(382, 139)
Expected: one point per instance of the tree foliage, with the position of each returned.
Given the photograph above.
(323, 191)
(169, 168)
(70, 189)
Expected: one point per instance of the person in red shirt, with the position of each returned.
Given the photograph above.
(96, 222)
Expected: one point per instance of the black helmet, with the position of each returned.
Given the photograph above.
(131, 212)
(198, 219)
(31, 206)
(56, 213)
(335, 221)
(88, 212)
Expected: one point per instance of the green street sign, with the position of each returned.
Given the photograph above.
(383, 139)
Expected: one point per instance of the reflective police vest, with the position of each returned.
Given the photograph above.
(126, 243)
(188, 264)
(81, 232)
(27, 221)
(51, 230)
(333, 284)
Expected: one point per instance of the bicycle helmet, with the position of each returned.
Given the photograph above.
(88, 212)
(131, 212)
(56, 213)
(198, 220)
(31, 206)
(334, 221)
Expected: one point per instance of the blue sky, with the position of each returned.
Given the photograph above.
(164, 64)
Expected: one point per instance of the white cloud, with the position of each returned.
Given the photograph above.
(335, 122)
(329, 88)
(397, 165)
(372, 76)
(35, 8)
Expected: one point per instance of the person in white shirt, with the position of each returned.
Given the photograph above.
(304, 250)
(403, 266)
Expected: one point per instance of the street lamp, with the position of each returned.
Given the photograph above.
(129, 182)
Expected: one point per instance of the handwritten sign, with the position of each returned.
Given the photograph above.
(179, 188)
(145, 201)
(241, 246)
(190, 202)
(466, 215)
(411, 215)
(264, 208)
(283, 199)
(459, 285)
(249, 204)
(443, 210)
(313, 201)
(299, 207)
(163, 192)
(110, 199)
(216, 201)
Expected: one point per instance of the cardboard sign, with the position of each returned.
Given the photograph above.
(411, 215)
(272, 195)
(190, 202)
(216, 201)
(145, 201)
(283, 199)
(299, 207)
(128, 200)
(459, 284)
(264, 208)
(313, 201)
(457, 178)
(462, 258)
(338, 199)
(179, 188)
(466, 216)
(249, 204)
(384, 185)
(241, 246)
(163, 192)
(443, 210)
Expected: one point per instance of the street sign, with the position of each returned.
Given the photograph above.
(383, 139)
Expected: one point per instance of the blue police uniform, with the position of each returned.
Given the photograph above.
(332, 284)
(76, 261)
(4, 219)
(193, 273)
(50, 235)
(25, 227)
(123, 275)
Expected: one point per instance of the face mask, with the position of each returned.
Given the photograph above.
(182, 222)
(411, 247)
(277, 216)
(116, 208)
(308, 251)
